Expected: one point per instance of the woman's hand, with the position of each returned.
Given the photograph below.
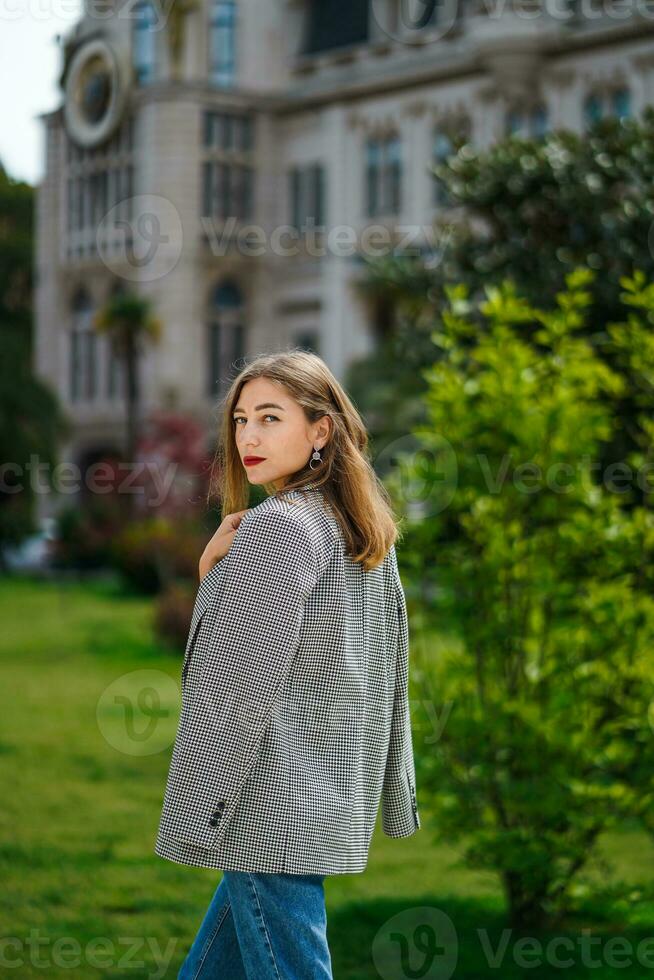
(221, 542)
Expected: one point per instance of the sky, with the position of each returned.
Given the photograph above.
(29, 66)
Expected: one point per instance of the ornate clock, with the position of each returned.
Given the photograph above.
(95, 93)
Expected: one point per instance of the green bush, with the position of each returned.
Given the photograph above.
(544, 739)
(153, 552)
(85, 533)
(172, 614)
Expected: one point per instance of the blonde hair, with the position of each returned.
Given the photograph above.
(359, 501)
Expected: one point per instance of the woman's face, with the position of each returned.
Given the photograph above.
(271, 426)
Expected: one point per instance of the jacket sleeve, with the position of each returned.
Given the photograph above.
(206, 588)
(246, 653)
(399, 806)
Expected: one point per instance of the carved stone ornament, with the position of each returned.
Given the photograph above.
(176, 12)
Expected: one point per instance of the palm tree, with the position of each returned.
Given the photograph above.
(128, 320)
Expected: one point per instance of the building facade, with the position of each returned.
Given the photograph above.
(232, 160)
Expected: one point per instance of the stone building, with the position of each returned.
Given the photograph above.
(231, 159)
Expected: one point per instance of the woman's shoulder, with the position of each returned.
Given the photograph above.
(299, 516)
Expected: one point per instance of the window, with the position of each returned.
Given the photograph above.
(115, 377)
(383, 191)
(226, 335)
(228, 131)
(527, 122)
(446, 138)
(83, 350)
(227, 171)
(393, 174)
(621, 103)
(99, 194)
(115, 368)
(592, 109)
(308, 340)
(335, 24)
(539, 122)
(373, 167)
(144, 36)
(98, 181)
(295, 194)
(222, 42)
(443, 148)
(307, 196)
(226, 191)
(614, 102)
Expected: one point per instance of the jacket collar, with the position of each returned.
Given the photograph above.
(307, 486)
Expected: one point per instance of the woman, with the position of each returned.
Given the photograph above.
(295, 717)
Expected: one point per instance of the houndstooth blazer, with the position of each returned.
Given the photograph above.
(294, 723)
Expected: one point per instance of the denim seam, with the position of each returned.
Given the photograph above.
(272, 955)
(210, 940)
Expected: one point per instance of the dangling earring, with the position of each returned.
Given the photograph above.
(316, 456)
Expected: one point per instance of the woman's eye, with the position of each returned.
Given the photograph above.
(242, 419)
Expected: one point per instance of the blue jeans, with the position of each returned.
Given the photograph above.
(261, 926)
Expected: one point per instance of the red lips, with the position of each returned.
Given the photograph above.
(251, 460)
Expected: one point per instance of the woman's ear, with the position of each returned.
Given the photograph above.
(324, 428)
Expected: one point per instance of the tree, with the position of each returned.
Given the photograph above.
(172, 451)
(31, 421)
(548, 577)
(128, 320)
(532, 210)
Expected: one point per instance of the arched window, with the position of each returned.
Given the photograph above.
(144, 37)
(614, 102)
(539, 121)
(527, 122)
(443, 148)
(222, 42)
(446, 137)
(83, 350)
(226, 334)
(593, 109)
(621, 102)
(383, 188)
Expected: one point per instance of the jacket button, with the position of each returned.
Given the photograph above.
(217, 813)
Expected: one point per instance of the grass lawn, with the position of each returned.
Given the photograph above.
(84, 894)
